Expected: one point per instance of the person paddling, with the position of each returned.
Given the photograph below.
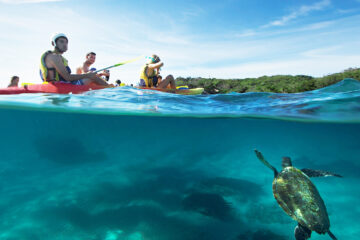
(14, 82)
(85, 67)
(54, 67)
(89, 60)
(149, 72)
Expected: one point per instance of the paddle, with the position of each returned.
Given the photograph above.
(119, 64)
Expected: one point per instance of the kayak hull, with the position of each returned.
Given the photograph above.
(66, 88)
(59, 88)
(192, 91)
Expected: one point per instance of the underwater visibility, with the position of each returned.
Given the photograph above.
(130, 164)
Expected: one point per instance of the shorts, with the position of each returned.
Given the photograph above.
(76, 82)
(154, 82)
(142, 83)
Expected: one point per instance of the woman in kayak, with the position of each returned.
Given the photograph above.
(149, 72)
(14, 81)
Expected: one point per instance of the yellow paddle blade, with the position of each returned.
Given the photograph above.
(28, 84)
(128, 61)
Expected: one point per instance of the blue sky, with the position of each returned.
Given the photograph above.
(224, 39)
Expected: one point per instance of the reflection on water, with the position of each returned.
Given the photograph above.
(335, 103)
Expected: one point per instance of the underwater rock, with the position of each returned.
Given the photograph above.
(124, 221)
(66, 150)
(262, 234)
(209, 204)
(138, 190)
(270, 213)
(242, 189)
(173, 178)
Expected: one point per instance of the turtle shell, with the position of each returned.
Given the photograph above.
(299, 198)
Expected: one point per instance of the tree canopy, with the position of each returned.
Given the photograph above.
(277, 83)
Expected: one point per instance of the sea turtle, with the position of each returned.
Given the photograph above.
(299, 198)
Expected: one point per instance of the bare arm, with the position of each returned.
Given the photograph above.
(104, 73)
(79, 70)
(56, 62)
(155, 65)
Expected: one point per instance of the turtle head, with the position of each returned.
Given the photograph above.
(286, 162)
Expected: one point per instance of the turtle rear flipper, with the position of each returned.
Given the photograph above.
(302, 233)
(319, 173)
(332, 235)
(266, 163)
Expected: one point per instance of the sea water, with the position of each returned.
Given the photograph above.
(131, 164)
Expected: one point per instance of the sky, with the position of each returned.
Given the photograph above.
(218, 39)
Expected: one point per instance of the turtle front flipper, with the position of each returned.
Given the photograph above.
(319, 173)
(266, 163)
(302, 233)
(332, 235)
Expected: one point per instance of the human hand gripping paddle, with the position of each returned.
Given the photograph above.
(119, 64)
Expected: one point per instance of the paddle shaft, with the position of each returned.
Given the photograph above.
(119, 64)
(108, 68)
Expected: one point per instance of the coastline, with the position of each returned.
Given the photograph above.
(275, 84)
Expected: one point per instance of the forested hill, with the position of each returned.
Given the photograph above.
(277, 83)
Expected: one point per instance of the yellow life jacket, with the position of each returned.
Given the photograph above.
(44, 71)
(147, 79)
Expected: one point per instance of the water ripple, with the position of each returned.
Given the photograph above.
(336, 103)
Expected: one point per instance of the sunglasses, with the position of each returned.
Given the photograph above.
(154, 60)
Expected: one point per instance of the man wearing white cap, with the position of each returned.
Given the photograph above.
(54, 67)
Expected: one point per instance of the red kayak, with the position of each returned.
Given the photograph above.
(51, 87)
(66, 88)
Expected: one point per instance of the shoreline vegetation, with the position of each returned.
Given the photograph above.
(276, 84)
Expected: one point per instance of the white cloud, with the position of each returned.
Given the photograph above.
(346, 11)
(302, 11)
(323, 52)
(268, 34)
(191, 12)
(317, 26)
(27, 1)
(247, 33)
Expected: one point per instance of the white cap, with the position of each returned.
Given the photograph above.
(56, 36)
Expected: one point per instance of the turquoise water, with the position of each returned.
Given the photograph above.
(131, 164)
